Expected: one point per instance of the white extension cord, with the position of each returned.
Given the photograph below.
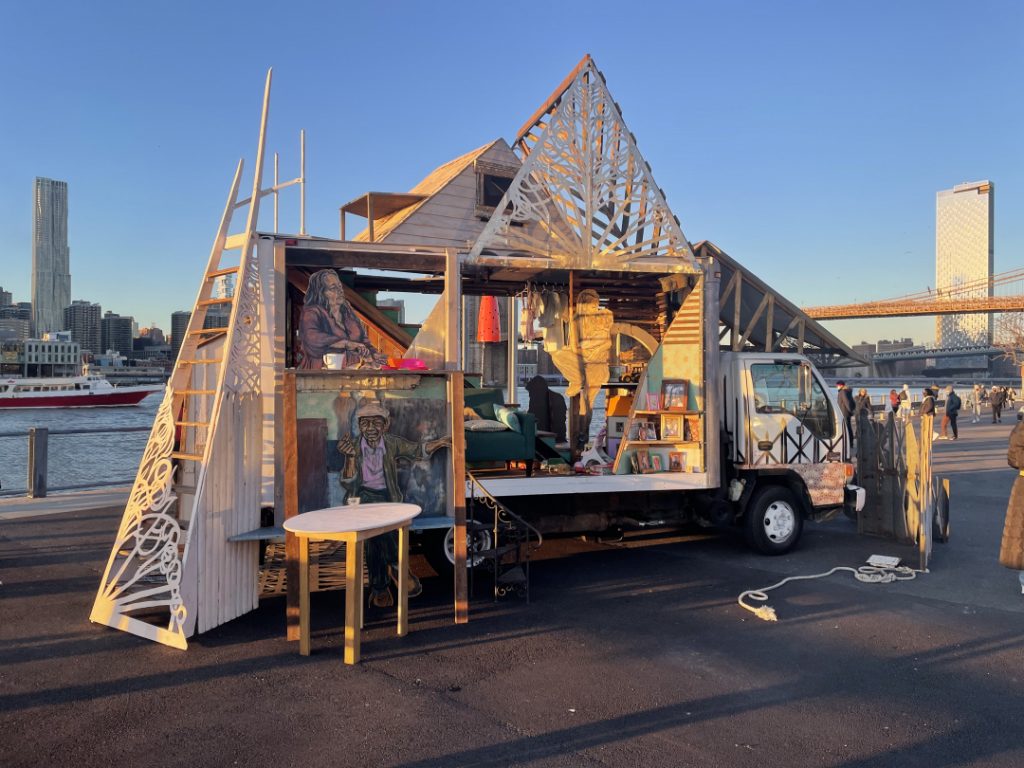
(869, 574)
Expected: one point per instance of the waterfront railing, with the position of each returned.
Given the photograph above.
(37, 485)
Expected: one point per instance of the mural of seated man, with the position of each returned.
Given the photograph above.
(371, 475)
(328, 325)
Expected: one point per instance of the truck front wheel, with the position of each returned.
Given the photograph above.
(773, 521)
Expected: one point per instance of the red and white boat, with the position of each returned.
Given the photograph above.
(69, 392)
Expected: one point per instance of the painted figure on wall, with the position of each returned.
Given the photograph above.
(329, 326)
(371, 474)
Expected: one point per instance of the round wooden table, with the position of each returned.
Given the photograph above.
(352, 524)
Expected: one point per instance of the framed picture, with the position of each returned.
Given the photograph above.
(691, 428)
(675, 394)
(677, 461)
(656, 465)
(645, 430)
(653, 401)
(618, 426)
(671, 426)
(641, 461)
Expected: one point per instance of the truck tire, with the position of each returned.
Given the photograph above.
(439, 549)
(773, 521)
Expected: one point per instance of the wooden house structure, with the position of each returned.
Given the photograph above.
(570, 207)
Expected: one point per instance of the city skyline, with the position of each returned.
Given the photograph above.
(794, 187)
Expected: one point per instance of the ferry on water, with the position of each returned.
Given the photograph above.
(89, 391)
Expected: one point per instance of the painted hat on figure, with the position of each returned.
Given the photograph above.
(371, 409)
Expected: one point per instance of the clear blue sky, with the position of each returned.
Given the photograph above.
(807, 139)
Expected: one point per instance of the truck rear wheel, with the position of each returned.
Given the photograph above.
(773, 521)
(439, 549)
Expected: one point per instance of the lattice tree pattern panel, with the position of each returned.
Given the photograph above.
(584, 196)
(144, 573)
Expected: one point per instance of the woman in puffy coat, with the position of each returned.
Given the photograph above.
(1011, 550)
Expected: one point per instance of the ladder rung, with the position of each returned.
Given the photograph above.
(220, 272)
(235, 241)
(202, 361)
(195, 391)
(211, 302)
(185, 489)
(191, 423)
(207, 331)
(187, 456)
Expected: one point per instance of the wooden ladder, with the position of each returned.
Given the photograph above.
(149, 567)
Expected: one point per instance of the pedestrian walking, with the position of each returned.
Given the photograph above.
(1011, 549)
(976, 404)
(906, 404)
(928, 404)
(997, 398)
(893, 405)
(952, 410)
(846, 405)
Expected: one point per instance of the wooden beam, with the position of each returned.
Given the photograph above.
(291, 506)
(457, 492)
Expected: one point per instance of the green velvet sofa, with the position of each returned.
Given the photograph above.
(508, 445)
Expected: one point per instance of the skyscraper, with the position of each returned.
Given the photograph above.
(179, 326)
(6, 299)
(51, 276)
(117, 334)
(84, 320)
(964, 256)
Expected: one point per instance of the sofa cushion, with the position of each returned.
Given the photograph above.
(483, 401)
(508, 416)
(485, 425)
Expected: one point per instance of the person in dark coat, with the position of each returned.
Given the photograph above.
(846, 405)
(1011, 549)
(928, 402)
(997, 398)
(952, 411)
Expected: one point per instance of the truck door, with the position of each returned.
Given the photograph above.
(792, 418)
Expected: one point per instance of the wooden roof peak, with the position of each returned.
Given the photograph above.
(430, 185)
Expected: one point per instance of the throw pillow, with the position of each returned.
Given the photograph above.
(508, 416)
(485, 425)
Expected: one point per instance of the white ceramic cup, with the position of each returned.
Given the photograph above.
(334, 361)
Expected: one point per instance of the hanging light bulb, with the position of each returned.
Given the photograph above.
(488, 323)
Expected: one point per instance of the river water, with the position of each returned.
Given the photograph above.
(99, 459)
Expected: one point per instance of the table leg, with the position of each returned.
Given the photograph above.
(403, 580)
(353, 598)
(359, 581)
(304, 596)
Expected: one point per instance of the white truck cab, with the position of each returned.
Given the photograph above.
(785, 452)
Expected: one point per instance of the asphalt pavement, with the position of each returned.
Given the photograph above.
(625, 656)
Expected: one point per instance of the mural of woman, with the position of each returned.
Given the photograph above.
(328, 325)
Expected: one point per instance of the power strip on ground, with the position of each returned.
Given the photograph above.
(883, 561)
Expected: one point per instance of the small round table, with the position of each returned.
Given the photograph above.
(352, 524)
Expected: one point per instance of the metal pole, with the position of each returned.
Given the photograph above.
(275, 194)
(302, 181)
(37, 454)
(513, 332)
(712, 380)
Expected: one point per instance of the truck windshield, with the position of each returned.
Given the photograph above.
(777, 390)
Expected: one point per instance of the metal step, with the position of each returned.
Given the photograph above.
(202, 361)
(212, 302)
(515, 575)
